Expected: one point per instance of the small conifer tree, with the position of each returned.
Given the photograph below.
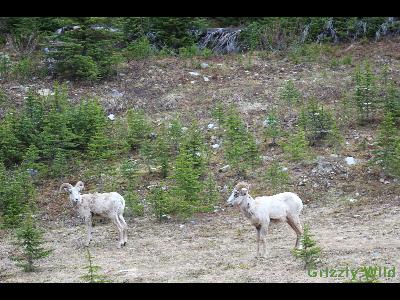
(272, 127)
(297, 146)
(29, 240)
(92, 275)
(310, 253)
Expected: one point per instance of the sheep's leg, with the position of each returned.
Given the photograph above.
(263, 236)
(296, 226)
(125, 228)
(120, 230)
(88, 221)
(258, 240)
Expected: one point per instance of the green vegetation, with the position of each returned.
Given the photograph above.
(29, 240)
(277, 178)
(319, 124)
(365, 93)
(272, 127)
(296, 146)
(92, 275)
(310, 253)
(241, 150)
(388, 146)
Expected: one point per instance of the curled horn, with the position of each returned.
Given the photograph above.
(80, 185)
(64, 185)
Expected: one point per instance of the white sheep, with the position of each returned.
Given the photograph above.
(261, 211)
(109, 205)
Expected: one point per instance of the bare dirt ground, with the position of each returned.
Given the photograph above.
(220, 247)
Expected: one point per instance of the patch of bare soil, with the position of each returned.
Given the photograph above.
(219, 247)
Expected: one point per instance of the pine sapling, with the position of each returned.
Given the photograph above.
(92, 275)
(310, 252)
(29, 240)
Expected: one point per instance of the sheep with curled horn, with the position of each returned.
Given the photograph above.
(108, 205)
(283, 207)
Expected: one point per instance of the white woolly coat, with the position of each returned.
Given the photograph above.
(103, 204)
(272, 208)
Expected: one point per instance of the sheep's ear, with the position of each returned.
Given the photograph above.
(80, 185)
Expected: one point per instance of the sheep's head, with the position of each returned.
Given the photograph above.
(239, 193)
(73, 191)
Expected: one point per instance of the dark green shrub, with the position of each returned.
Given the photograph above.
(193, 144)
(175, 134)
(241, 150)
(29, 240)
(175, 32)
(5, 65)
(138, 128)
(100, 147)
(392, 100)
(290, 94)
(25, 68)
(10, 145)
(86, 53)
(388, 146)
(219, 113)
(87, 120)
(139, 49)
(16, 190)
(272, 127)
(187, 177)
(318, 124)
(296, 146)
(161, 202)
(365, 93)
(310, 253)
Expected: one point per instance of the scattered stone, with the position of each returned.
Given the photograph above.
(204, 65)
(215, 146)
(45, 92)
(181, 226)
(225, 168)
(210, 126)
(116, 94)
(350, 160)
(194, 73)
(184, 129)
(193, 82)
(111, 117)
(284, 169)
(206, 78)
(382, 180)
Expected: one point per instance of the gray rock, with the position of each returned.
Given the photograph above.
(204, 65)
(215, 146)
(194, 73)
(350, 160)
(225, 168)
(205, 78)
(116, 94)
(111, 117)
(45, 92)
